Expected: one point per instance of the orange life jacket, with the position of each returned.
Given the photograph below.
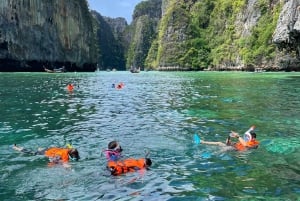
(127, 165)
(61, 153)
(251, 144)
(120, 85)
(70, 87)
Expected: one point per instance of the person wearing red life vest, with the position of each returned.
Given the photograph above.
(55, 154)
(248, 142)
(70, 87)
(117, 166)
(128, 165)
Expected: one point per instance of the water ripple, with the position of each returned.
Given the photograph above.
(158, 112)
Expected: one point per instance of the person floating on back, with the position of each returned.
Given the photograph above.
(248, 142)
(56, 155)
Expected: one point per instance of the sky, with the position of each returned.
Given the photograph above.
(114, 8)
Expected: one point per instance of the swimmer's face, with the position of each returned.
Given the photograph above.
(148, 162)
(74, 154)
(118, 148)
(115, 146)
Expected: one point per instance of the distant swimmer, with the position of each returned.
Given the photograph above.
(248, 142)
(56, 155)
(120, 85)
(70, 87)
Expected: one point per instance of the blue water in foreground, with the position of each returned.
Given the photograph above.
(155, 111)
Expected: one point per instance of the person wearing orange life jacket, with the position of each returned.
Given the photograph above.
(120, 85)
(128, 165)
(70, 87)
(55, 154)
(248, 142)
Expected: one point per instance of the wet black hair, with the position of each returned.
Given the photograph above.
(74, 154)
(112, 145)
(253, 134)
(148, 162)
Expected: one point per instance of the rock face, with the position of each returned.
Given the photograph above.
(142, 32)
(288, 25)
(247, 19)
(287, 35)
(173, 33)
(110, 36)
(222, 35)
(53, 33)
(170, 34)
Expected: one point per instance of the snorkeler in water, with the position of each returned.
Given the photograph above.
(55, 154)
(248, 142)
(113, 151)
(128, 165)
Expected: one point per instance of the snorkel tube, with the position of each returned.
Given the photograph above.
(247, 135)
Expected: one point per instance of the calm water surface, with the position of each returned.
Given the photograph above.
(155, 111)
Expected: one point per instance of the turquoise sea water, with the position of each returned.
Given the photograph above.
(155, 111)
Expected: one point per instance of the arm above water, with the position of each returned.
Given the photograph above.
(241, 140)
(251, 129)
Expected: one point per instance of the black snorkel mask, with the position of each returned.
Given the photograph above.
(73, 158)
(74, 155)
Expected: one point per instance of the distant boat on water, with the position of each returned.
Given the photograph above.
(56, 70)
(135, 70)
(259, 70)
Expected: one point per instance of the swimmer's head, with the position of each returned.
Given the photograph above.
(114, 145)
(253, 134)
(73, 153)
(148, 162)
(249, 136)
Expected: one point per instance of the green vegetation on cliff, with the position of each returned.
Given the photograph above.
(222, 32)
(211, 33)
(141, 41)
(258, 47)
(143, 31)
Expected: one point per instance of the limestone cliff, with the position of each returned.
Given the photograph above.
(173, 33)
(142, 32)
(111, 41)
(215, 34)
(34, 33)
(178, 34)
(226, 35)
(287, 35)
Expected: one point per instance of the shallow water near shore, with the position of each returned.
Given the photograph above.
(157, 112)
